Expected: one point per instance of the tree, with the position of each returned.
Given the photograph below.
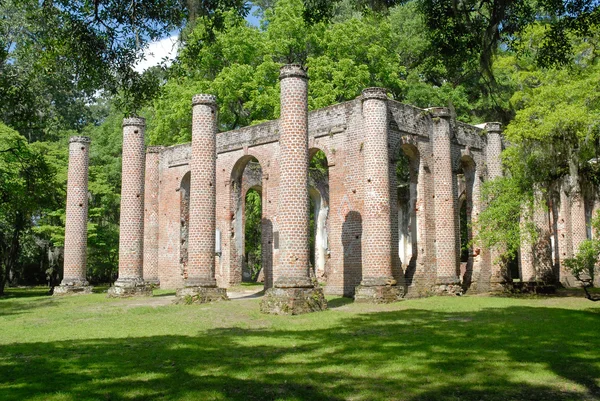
(554, 140)
(583, 264)
(26, 180)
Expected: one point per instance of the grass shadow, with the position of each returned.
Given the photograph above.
(495, 354)
(339, 302)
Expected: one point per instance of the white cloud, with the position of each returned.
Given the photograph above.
(157, 51)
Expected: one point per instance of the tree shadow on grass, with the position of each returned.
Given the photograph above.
(513, 353)
(339, 302)
(25, 292)
(15, 306)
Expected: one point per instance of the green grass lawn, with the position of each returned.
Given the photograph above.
(464, 348)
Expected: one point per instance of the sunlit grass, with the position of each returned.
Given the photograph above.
(468, 348)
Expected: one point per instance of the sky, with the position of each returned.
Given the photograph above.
(167, 47)
(157, 51)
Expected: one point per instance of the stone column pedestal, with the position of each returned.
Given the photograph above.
(131, 237)
(294, 291)
(378, 284)
(200, 286)
(74, 269)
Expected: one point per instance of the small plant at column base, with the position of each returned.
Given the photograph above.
(583, 265)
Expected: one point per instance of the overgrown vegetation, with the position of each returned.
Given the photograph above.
(529, 64)
(584, 264)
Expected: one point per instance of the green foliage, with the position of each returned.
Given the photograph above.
(499, 225)
(253, 232)
(240, 65)
(583, 264)
(26, 183)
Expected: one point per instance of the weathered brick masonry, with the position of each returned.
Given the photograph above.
(200, 284)
(74, 274)
(362, 140)
(151, 215)
(182, 211)
(130, 281)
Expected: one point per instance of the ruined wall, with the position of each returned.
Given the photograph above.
(338, 131)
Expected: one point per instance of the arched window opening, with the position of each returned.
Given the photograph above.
(247, 248)
(464, 231)
(318, 172)
(406, 181)
(253, 233)
(184, 219)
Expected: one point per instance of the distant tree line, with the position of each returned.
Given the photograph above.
(66, 68)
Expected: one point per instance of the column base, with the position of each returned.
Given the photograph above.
(293, 301)
(200, 282)
(130, 288)
(200, 295)
(72, 289)
(154, 283)
(498, 285)
(448, 289)
(378, 294)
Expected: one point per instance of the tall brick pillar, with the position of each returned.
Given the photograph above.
(378, 284)
(74, 281)
(151, 215)
(294, 292)
(578, 220)
(446, 210)
(494, 170)
(200, 286)
(578, 223)
(565, 234)
(131, 237)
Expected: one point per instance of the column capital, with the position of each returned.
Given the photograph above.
(493, 127)
(374, 93)
(292, 71)
(134, 121)
(439, 112)
(154, 149)
(80, 139)
(204, 99)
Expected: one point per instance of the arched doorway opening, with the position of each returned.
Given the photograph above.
(407, 179)
(318, 173)
(184, 221)
(247, 258)
(465, 179)
(252, 266)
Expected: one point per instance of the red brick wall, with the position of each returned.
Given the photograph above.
(342, 132)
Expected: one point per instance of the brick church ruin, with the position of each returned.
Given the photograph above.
(401, 186)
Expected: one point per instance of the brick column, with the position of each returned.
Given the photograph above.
(494, 170)
(131, 237)
(151, 215)
(74, 270)
(294, 292)
(378, 284)
(446, 211)
(578, 221)
(564, 233)
(200, 286)
(578, 224)
(526, 252)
